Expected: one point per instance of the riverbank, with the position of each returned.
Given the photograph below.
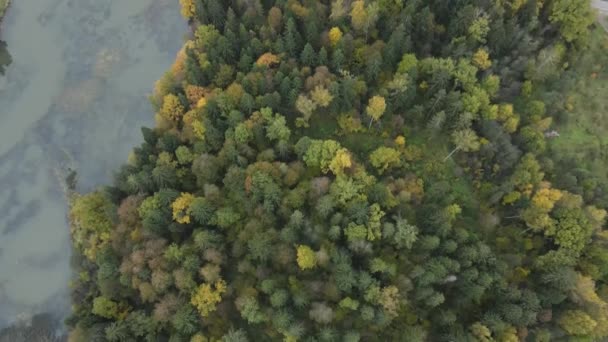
(602, 12)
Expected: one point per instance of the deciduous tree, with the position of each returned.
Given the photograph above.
(384, 158)
(465, 140)
(375, 108)
(306, 257)
(207, 297)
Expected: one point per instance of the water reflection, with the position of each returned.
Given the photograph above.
(5, 57)
(41, 328)
(73, 97)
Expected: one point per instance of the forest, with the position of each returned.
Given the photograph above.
(356, 170)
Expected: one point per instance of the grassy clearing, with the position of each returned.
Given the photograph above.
(582, 115)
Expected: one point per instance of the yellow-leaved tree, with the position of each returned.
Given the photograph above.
(545, 198)
(207, 297)
(92, 221)
(188, 8)
(384, 158)
(275, 17)
(307, 258)
(267, 59)
(358, 15)
(321, 96)
(375, 108)
(481, 59)
(341, 161)
(172, 108)
(335, 35)
(181, 208)
(577, 322)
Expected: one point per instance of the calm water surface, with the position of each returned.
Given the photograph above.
(74, 96)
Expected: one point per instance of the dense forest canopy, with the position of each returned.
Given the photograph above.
(351, 171)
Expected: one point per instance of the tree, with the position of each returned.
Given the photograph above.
(397, 44)
(308, 55)
(584, 291)
(305, 106)
(481, 59)
(117, 332)
(201, 210)
(481, 332)
(321, 96)
(92, 218)
(373, 66)
(479, 29)
(338, 59)
(184, 156)
(491, 85)
(140, 324)
(364, 17)
(508, 335)
(188, 9)
(341, 160)
(327, 155)
(250, 309)
(355, 232)
(275, 17)
(573, 229)
(306, 257)
(405, 234)
(349, 303)
(384, 158)
(235, 336)
(323, 59)
(407, 63)
(375, 108)
(465, 140)
(172, 109)
(279, 298)
(390, 300)
(338, 10)
(577, 322)
(506, 115)
(185, 320)
(321, 313)
(260, 247)
(335, 35)
(545, 199)
(374, 222)
(278, 129)
(358, 15)
(527, 172)
(181, 208)
(206, 297)
(573, 17)
(105, 307)
(291, 37)
(267, 59)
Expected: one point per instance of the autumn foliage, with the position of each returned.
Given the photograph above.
(355, 171)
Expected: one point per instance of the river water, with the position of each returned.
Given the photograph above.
(75, 95)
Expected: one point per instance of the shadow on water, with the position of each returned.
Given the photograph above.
(73, 98)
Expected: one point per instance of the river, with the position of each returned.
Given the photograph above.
(74, 96)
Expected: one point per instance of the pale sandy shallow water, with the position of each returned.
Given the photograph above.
(75, 94)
